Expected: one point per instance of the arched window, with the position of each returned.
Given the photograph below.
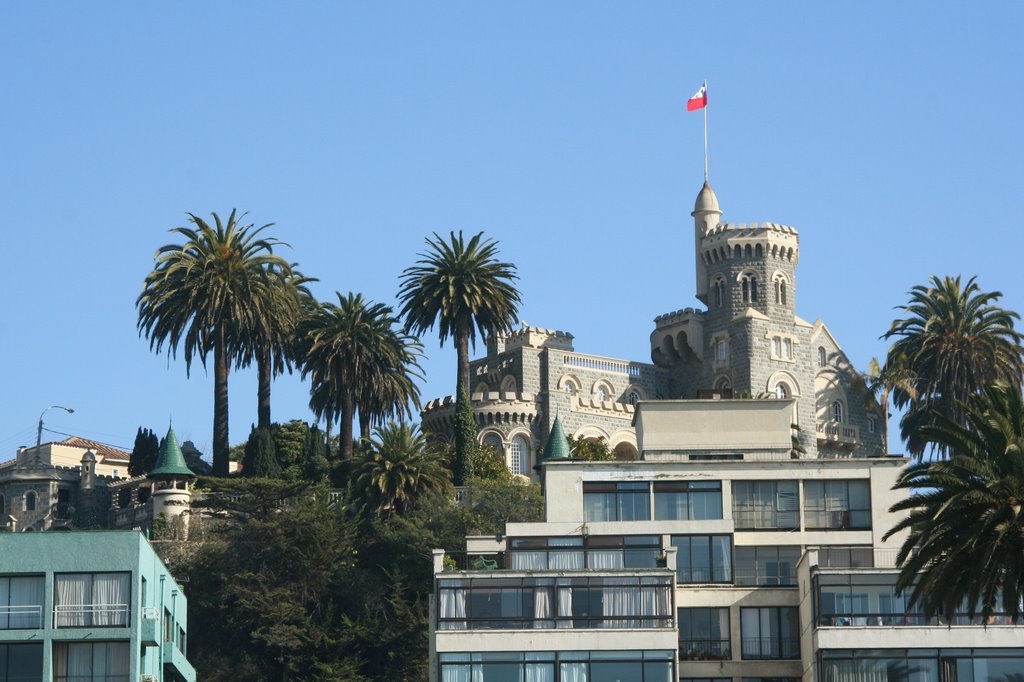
(519, 456)
(722, 350)
(780, 290)
(569, 388)
(753, 289)
(719, 287)
(634, 398)
(782, 391)
(722, 384)
(837, 412)
(871, 424)
(508, 385)
(746, 290)
(822, 356)
(602, 393)
(493, 441)
(30, 501)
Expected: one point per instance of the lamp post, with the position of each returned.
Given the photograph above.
(39, 432)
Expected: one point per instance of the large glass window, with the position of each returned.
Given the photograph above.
(770, 632)
(21, 662)
(539, 603)
(91, 599)
(703, 558)
(765, 505)
(890, 669)
(688, 500)
(837, 505)
(768, 565)
(595, 551)
(571, 666)
(90, 661)
(704, 634)
(616, 501)
(21, 602)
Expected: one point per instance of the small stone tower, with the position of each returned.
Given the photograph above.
(171, 482)
(88, 479)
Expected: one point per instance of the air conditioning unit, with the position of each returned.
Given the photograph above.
(149, 678)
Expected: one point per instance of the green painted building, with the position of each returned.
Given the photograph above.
(89, 606)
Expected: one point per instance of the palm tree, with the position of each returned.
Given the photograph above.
(394, 395)
(882, 380)
(954, 340)
(965, 549)
(271, 342)
(464, 289)
(206, 294)
(398, 468)
(348, 349)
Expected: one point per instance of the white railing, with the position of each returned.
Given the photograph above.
(90, 615)
(602, 364)
(837, 432)
(21, 617)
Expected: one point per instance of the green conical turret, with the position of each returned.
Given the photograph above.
(170, 463)
(558, 445)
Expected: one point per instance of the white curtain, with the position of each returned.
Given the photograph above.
(529, 561)
(604, 558)
(111, 595)
(26, 600)
(573, 672)
(543, 618)
(565, 560)
(72, 597)
(620, 601)
(456, 673)
(864, 670)
(115, 661)
(453, 605)
(540, 672)
(74, 662)
(565, 607)
(654, 601)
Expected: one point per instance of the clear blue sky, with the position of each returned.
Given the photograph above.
(888, 133)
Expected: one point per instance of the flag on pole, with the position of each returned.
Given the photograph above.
(699, 100)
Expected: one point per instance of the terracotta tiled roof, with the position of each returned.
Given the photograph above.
(106, 452)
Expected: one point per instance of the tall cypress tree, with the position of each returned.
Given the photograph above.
(260, 456)
(144, 452)
(465, 438)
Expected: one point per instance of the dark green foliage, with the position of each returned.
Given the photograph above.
(465, 438)
(144, 453)
(590, 449)
(489, 464)
(965, 546)
(315, 455)
(496, 502)
(260, 455)
(288, 440)
(953, 341)
(271, 597)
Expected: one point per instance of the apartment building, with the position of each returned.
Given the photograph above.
(89, 606)
(722, 554)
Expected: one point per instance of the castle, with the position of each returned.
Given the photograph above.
(748, 342)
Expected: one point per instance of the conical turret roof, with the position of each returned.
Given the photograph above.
(170, 463)
(706, 200)
(558, 445)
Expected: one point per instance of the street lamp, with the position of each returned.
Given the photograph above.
(39, 432)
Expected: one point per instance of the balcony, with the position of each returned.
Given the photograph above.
(90, 616)
(21, 617)
(704, 650)
(838, 433)
(150, 626)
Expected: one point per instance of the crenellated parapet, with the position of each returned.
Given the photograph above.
(538, 337)
(727, 242)
(438, 415)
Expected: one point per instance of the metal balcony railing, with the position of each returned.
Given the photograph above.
(704, 650)
(21, 617)
(90, 615)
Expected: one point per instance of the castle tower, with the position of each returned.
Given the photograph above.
(706, 214)
(88, 479)
(171, 481)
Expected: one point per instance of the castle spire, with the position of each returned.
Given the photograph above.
(706, 215)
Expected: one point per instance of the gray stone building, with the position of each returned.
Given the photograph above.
(747, 342)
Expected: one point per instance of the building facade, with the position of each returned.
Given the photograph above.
(715, 556)
(747, 342)
(89, 606)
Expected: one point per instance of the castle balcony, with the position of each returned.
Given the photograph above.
(837, 433)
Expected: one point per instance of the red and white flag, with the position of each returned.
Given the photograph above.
(699, 100)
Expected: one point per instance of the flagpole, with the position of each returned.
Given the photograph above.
(705, 134)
